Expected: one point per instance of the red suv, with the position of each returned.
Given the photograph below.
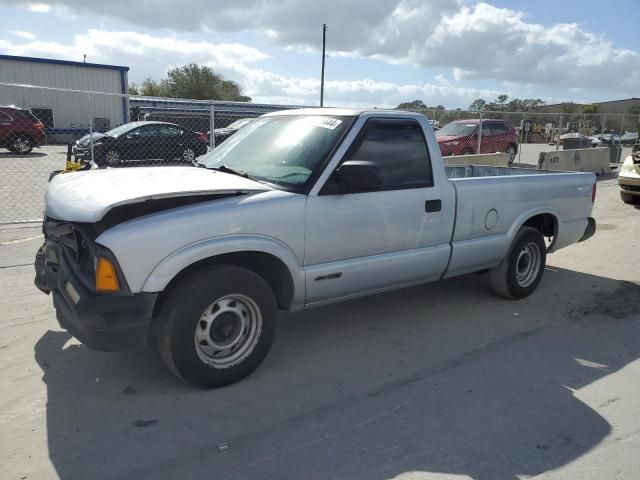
(20, 130)
(461, 138)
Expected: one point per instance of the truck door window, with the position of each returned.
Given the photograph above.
(400, 151)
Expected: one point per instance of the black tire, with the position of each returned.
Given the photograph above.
(467, 151)
(21, 144)
(629, 199)
(511, 152)
(180, 324)
(508, 279)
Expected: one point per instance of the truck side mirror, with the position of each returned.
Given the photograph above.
(359, 176)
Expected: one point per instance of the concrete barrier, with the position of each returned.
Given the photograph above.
(594, 160)
(493, 159)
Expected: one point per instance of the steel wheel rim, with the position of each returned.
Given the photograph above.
(511, 154)
(21, 145)
(112, 156)
(228, 331)
(528, 264)
(189, 155)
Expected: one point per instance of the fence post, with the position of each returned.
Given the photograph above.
(90, 128)
(557, 142)
(603, 125)
(479, 134)
(523, 141)
(622, 125)
(212, 126)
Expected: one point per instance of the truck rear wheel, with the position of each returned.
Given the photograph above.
(519, 274)
(217, 325)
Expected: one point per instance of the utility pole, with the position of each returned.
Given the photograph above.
(324, 43)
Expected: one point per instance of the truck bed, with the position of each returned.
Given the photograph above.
(470, 171)
(490, 201)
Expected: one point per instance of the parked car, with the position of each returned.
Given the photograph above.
(610, 138)
(461, 138)
(596, 140)
(629, 177)
(221, 134)
(629, 138)
(306, 207)
(141, 141)
(20, 130)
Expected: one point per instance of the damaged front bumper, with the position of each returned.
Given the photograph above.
(105, 322)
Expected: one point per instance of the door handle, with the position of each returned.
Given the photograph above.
(432, 206)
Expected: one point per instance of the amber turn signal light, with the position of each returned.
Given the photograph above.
(106, 279)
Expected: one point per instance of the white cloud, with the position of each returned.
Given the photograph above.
(39, 7)
(149, 55)
(22, 34)
(475, 40)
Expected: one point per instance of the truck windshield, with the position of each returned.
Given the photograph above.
(456, 129)
(283, 150)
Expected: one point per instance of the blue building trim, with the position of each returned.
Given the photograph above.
(67, 131)
(63, 62)
(124, 89)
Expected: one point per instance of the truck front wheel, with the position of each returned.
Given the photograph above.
(217, 325)
(519, 274)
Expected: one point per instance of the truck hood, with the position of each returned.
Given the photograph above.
(89, 196)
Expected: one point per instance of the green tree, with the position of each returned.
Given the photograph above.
(502, 99)
(413, 105)
(151, 88)
(477, 105)
(191, 81)
(418, 105)
(201, 83)
(634, 110)
(591, 108)
(569, 107)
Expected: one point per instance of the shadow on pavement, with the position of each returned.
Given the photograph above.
(441, 378)
(18, 156)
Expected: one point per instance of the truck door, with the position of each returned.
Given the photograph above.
(396, 235)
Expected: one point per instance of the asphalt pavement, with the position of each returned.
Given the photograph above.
(444, 380)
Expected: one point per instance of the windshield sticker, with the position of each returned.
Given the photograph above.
(328, 123)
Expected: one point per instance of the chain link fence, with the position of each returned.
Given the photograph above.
(48, 129)
(43, 130)
(524, 135)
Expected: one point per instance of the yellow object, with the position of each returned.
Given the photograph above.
(106, 279)
(71, 165)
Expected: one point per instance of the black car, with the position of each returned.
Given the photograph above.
(221, 134)
(142, 141)
(629, 138)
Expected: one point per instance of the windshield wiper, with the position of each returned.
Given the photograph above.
(234, 171)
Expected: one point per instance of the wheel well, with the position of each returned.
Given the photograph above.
(546, 223)
(270, 268)
(21, 134)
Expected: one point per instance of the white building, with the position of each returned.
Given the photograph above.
(66, 112)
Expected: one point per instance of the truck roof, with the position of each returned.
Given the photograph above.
(347, 112)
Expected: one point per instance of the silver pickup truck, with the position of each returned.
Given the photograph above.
(297, 209)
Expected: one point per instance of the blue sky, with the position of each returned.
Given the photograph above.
(380, 53)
